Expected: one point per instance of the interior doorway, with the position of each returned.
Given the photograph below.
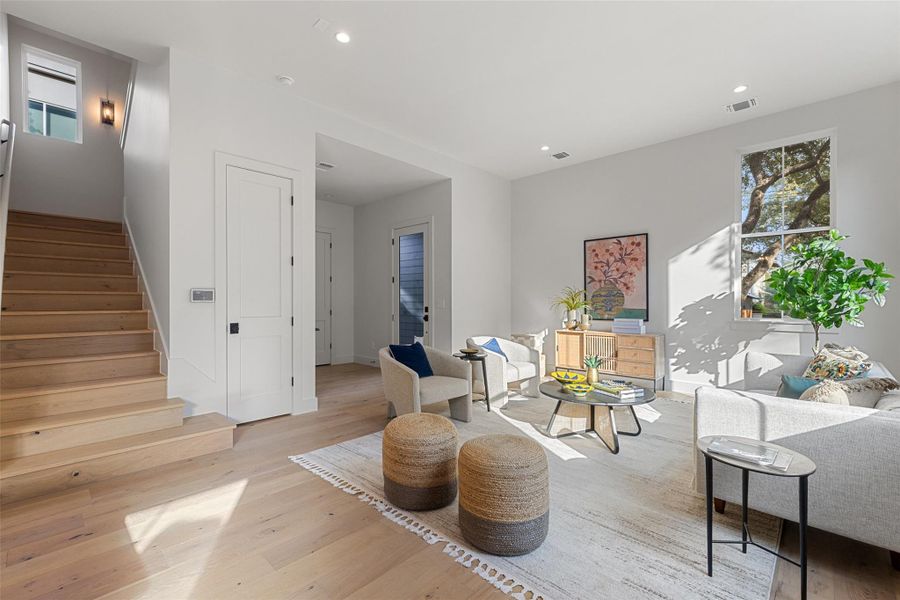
(324, 311)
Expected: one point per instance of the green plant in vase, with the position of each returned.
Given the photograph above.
(572, 300)
(826, 287)
(592, 364)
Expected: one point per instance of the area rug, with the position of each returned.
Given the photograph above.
(621, 526)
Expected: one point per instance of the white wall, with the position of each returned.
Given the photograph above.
(337, 219)
(683, 194)
(146, 163)
(62, 177)
(4, 67)
(375, 222)
(210, 111)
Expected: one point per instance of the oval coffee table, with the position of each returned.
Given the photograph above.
(604, 426)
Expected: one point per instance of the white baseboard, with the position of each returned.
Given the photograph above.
(145, 289)
(369, 361)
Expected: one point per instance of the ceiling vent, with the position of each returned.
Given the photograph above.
(324, 166)
(560, 155)
(742, 105)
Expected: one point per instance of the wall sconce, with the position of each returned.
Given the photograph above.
(107, 112)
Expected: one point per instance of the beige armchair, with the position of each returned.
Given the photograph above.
(406, 392)
(524, 366)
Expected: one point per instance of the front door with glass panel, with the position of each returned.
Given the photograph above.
(412, 284)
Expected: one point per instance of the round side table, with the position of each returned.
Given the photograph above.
(801, 467)
(480, 357)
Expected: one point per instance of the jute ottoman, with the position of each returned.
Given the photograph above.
(504, 494)
(418, 456)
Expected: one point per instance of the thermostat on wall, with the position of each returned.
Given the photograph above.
(203, 295)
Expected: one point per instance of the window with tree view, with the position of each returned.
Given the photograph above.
(785, 200)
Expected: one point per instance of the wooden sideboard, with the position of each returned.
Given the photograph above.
(634, 356)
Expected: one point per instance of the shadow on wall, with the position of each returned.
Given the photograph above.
(700, 339)
(699, 344)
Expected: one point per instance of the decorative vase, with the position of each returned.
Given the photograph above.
(585, 322)
(570, 320)
(593, 376)
(607, 301)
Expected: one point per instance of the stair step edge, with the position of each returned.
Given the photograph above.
(87, 416)
(193, 427)
(63, 242)
(60, 360)
(75, 229)
(76, 258)
(57, 388)
(11, 337)
(17, 211)
(66, 274)
(99, 311)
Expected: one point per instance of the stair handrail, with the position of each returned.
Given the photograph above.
(7, 142)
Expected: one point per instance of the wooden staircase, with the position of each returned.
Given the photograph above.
(81, 393)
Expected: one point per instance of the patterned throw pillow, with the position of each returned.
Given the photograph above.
(837, 363)
(865, 391)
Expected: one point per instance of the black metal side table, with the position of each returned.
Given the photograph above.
(801, 467)
(482, 358)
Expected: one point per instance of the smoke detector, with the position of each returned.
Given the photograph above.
(560, 155)
(324, 166)
(742, 105)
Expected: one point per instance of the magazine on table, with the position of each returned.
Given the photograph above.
(759, 454)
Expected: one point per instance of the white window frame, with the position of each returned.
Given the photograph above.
(79, 104)
(737, 236)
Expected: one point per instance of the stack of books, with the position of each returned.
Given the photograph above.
(752, 453)
(634, 326)
(620, 389)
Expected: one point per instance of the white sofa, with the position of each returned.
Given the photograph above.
(855, 491)
(406, 392)
(524, 366)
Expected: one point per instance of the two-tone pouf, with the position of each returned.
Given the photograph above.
(504, 494)
(418, 456)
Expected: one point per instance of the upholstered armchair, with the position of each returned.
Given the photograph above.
(406, 392)
(524, 366)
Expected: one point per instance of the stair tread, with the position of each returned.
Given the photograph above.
(17, 211)
(31, 362)
(86, 416)
(41, 390)
(62, 242)
(76, 229)
(99, 311)
(78, 258)
(11, 337)
(79, 292)
(66, 274)
(192, 427)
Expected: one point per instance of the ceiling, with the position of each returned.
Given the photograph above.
(361, 176)
(488, 83)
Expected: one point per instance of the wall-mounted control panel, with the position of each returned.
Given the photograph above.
(203, 295)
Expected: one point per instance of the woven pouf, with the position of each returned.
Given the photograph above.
(418, 456)
(504, 494)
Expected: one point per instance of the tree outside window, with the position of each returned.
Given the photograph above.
(785, 199)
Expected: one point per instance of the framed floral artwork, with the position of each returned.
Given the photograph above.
(616, 278)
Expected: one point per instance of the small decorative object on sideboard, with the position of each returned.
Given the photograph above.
(592, 364)
(572, 300)
(585, 321)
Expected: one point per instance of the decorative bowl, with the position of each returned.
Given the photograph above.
(469, 351)
(566, 377)
(579, 389)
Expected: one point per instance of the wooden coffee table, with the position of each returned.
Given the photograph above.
(604, 424)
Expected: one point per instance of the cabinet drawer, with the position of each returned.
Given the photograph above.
(631, 369)
(635, 355)
(636, 341)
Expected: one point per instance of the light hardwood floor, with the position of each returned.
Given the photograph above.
(246, 523)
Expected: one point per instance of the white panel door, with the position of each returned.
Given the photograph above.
(412, 284)
(259, 296)
(323, 298)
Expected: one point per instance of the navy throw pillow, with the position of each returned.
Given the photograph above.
(412, 356)
(793, 386)
(494, 346)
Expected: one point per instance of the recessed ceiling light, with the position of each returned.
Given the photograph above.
(740, 88)
(544, 148)
(285, 79)
(343, 37)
